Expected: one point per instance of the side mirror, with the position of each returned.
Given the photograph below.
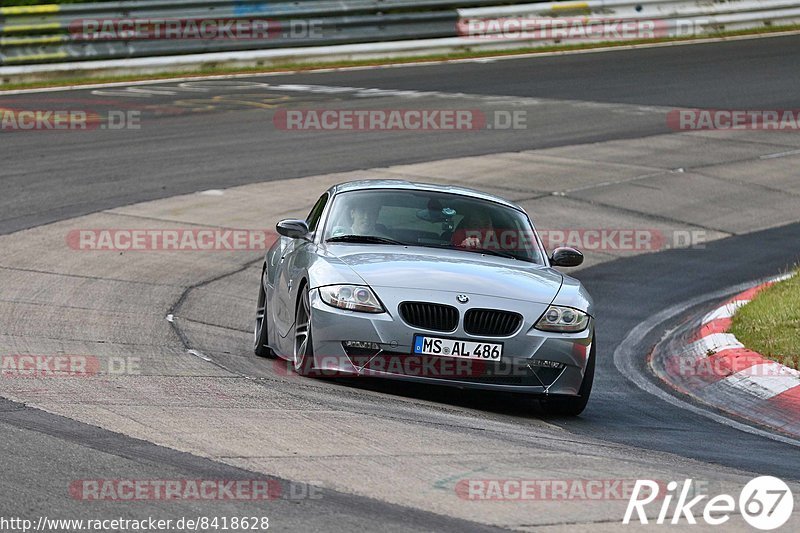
(294, 229)
(566, 257)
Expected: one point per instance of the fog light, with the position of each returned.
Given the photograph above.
(365, 345)
(543, 363)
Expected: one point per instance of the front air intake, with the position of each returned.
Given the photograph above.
(431, 316)
(491, 322)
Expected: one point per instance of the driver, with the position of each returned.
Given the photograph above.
(363, 221)
(473, 229)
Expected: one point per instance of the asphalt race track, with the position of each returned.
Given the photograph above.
(196, 137)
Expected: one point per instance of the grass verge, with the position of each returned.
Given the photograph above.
(470, 54)
(770, 324)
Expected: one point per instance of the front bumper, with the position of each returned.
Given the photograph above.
(533, 361)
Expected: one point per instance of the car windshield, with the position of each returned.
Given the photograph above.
(431, 219)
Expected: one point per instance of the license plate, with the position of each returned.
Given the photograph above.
(489, 351)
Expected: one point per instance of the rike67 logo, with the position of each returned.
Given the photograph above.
(766, 503)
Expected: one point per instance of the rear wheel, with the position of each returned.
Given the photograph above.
(574, 405)
(260, 337)
(303, 344)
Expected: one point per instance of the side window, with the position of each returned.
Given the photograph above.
(316, 212)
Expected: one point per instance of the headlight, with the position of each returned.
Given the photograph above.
(352, 297)
(563, 320)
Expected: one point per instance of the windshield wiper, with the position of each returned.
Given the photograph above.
(364, 238)
(490, 251)
(498, 253)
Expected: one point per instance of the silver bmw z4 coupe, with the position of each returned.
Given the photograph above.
(428, 283)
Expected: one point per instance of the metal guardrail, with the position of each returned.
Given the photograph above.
(127, 29)
(631, 8)
(55, 33)
(669, 18)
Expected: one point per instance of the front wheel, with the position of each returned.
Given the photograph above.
(303, 344)
(260, 337)
(574, 405)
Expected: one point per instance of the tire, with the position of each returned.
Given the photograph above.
(260, 331)
(574, 405)
(303, 345)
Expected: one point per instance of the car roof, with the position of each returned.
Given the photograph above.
(361, 185)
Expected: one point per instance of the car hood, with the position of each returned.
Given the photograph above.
(450, 271)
